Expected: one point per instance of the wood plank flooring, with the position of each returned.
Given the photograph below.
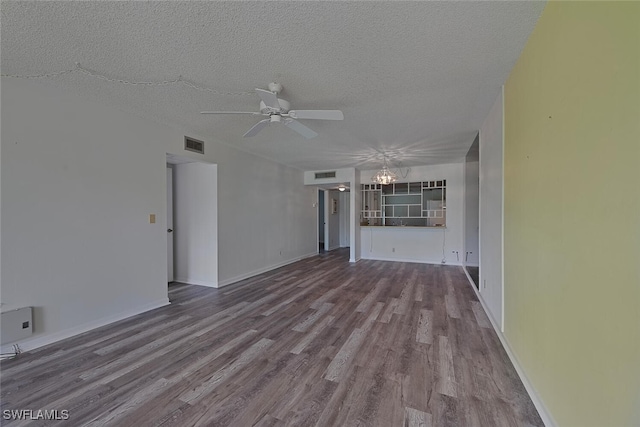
(318, 342)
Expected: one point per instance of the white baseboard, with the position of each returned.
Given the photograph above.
(420, 261)
(190, 281)
(40, 341)
(227, 282)
(547, 419)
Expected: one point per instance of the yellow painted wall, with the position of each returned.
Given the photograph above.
(572, 212)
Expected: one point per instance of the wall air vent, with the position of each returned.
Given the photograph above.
(324, 175)
(16, 324)
(194, 145)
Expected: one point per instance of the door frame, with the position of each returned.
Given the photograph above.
(181, 269)
(170, 238)
(325, 206)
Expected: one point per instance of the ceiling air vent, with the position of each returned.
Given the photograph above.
(323, 175)
(194, 145)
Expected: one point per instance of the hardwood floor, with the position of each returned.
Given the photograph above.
(318, 342)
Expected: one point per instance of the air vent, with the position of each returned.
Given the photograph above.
(323, 175)
(16, 324)
(194, 145)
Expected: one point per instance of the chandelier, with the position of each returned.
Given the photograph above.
(385, 175)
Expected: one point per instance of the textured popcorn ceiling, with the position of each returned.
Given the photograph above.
(415, 80)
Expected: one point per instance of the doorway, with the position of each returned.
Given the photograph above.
(471, 261)
(333, 225)
(192, 221)
(321, 221)
(170, 208)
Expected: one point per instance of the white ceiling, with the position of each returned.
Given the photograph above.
(415, 80)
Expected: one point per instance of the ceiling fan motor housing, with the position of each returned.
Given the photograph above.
(284, 107)
(275, 87)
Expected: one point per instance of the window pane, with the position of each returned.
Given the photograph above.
(401, 211)
(402, 200)
(402, 188)
(415, 187)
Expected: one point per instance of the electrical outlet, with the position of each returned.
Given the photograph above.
(393, 249)
(484, 284)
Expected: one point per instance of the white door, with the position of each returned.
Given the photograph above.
(169, 225)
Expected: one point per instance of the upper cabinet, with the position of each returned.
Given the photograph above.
(417, 204)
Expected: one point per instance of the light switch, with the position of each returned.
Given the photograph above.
(152, 218)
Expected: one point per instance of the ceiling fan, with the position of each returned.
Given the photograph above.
(277, 111)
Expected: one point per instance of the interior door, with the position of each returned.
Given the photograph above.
(169, 225)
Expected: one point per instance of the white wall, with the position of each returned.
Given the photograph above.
(79, 180)
(266, 216)
(196, 223)
(344, 209)
(407, 244)
(422, 244)
(491, 211)
(355, 198)
(333, 220)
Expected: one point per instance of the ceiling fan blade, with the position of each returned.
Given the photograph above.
(257, 128)
(317, 114)
(231, 112)
(300, 128)
(270, 99)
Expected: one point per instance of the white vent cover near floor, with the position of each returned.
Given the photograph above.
(16, 325)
